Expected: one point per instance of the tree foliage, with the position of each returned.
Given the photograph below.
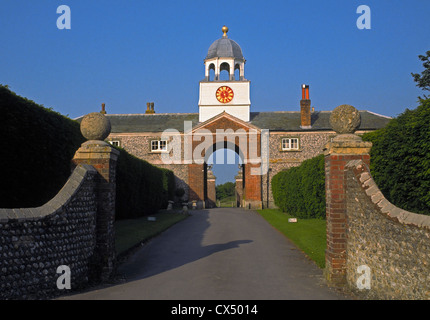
(400, 159)
(225, 190)
(423, 79)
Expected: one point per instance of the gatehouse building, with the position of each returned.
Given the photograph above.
(266, 142)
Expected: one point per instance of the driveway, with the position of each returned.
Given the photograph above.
(218, 254)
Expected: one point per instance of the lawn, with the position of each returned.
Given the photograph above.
(131, 232)
(307, 234)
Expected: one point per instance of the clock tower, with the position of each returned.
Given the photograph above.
(230, 94)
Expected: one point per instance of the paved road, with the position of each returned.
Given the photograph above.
(218, 254)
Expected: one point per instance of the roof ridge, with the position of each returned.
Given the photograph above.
(379, 115)
(151, 114)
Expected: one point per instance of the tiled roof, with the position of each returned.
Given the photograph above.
(320, 120)
(274, 121)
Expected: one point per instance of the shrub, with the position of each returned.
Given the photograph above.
(180, 192)
(400, 159)
(300, 191)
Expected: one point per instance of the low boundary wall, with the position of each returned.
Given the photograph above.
(392, 244)
(34, 242)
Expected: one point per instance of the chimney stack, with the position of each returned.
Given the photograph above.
(103, 109)
(305, 108)
(149, 108)
(152, 107)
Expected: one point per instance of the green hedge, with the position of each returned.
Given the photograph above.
(141, 188)
(400, 159)
(36, 146)
(300, 191)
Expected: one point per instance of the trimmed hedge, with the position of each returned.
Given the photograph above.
(36, 146)
(300, 191)
(400, 159)
(141, 188)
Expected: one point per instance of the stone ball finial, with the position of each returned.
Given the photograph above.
(345, 119)
(224, 30)
(95, 126)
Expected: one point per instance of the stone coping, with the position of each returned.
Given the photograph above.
(63, 197)
(386, 208)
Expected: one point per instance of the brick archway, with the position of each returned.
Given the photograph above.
(221, 131)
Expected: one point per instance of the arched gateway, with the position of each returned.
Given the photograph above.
(227, 131)
(267, 142)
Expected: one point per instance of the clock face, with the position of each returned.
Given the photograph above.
(224, 94)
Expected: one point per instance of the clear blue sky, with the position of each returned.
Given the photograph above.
(126, 53)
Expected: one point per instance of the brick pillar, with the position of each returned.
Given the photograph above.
(103, 158)
(239, 189)
(344, 148)
(211, 200)
(253, 192)
(196, 182)
(95, 127)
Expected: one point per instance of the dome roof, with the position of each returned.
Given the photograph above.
(225, 48)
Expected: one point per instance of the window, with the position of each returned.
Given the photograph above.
(158, 145)
(115, 143)
(290, 144)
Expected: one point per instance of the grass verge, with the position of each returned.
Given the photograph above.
(307, 234)
(131, 232)
(227, 202)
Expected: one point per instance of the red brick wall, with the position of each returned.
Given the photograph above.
(196, 182)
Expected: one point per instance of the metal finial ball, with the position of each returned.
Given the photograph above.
(345, 119)
(95, 126)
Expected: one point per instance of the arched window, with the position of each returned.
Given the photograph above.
(211, 72)
(224, 71)
(237, 72)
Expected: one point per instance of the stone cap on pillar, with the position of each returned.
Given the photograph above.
(211, 175)
(95, 127)
(239, 176)
(345, 120)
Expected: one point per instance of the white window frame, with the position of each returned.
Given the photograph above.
(160, 145)
(115, 143)
(287, 144)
